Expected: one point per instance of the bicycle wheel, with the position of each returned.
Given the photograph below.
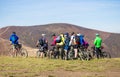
(70, 55)
(106, 55)
(24, 52)
(38, 54)
(11, 53)
(86, 55)
(83, 55)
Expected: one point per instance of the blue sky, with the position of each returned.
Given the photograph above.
(102, 15)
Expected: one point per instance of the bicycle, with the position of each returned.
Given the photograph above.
(53, 53)
(19, 51)
(71, 53)
(103, 54)
(41, 50)
(83, 53)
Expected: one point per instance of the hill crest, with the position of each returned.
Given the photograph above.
(30, 34)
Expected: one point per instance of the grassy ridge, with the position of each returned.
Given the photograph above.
(30, 67)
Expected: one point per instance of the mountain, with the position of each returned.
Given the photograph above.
(30, 34)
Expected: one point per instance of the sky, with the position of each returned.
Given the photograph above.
(102, 15)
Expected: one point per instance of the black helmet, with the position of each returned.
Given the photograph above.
(53, 34)
(14, 32)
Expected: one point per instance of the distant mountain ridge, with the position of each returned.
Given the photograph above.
(30, 34)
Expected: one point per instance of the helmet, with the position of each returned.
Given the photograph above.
(43, 34)
(97, 34)
(72, 33)
(14, 32)
(67, 34)
(53, 34)
(78, 34)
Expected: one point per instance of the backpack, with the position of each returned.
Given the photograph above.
(67, 40)
(81, 40)
(73, 41)
(41, 41)
(58, 39)
(77, 39)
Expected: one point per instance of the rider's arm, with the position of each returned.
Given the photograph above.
(62, 41)
(95, 41)
(71, 40)
(10, 38)
(37, 43)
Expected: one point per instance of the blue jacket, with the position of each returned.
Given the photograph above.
(14, 39)
(67, 41)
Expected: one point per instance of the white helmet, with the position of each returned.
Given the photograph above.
(78, 34)
(97, 34)
(43, 34)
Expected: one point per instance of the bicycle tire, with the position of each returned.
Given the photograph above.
(38, 54)
(11, 54)
(24, 52)
(106, 54)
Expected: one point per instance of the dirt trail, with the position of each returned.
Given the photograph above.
(4, 31)
(63, 73)
(31, 51)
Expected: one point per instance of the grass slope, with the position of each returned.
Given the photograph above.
(34, 67)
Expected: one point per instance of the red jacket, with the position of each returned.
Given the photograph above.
(54, 41)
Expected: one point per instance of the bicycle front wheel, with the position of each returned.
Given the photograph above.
(38, 54)
(24, 52)
(106, 55)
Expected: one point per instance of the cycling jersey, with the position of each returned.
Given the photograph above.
(97, 42)
(14, 38)
(62, 42)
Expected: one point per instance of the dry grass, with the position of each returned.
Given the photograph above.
(31, 67)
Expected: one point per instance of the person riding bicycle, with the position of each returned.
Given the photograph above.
(53, 44)
(14, 41)
(85, 44)
(54, 40)
(82, 41)
(66, 47)
(43, 45)
(74, 44)
(60, 45)
(97, 43)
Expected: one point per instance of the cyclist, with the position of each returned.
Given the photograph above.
(66, 47)
(60, 45)
(74, 44)
(81, 39)
(83, 43)
(97, 43)
(55, 53)
(43, 45)
(54, 40)
(14, 41)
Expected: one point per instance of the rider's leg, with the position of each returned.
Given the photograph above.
(42, 54)
(13, 46)
(65, 54)
(14, 50)
(62, 52)
(76, 51)
(100, 52)
(97, 53)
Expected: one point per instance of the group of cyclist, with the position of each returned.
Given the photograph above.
(62, 44)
